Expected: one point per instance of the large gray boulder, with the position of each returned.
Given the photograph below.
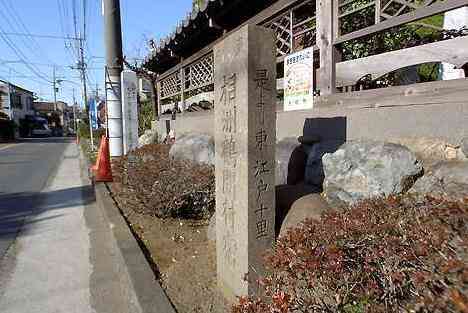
(314, 174)
(430, 150)
(446, 180)
(284, 151)
(366, 169)
(464, 146)
(149, 137)
(198, 148)
(307, 207)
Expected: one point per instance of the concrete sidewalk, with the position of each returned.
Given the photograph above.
(66, 258)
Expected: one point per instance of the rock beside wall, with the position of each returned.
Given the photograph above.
(198, 148)
(308, 207)
(464, 146)
(149, 137)
(367, 169)
(445, 179)
(431, 150)
(285, 150)
(314, 173)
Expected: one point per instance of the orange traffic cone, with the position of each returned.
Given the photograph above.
(98, 160)
(104, 171)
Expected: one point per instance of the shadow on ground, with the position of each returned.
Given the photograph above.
(47, 140)
(20, 211)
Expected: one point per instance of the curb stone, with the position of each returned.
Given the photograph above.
(150, 295)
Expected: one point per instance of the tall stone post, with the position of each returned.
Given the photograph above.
(129, 110)
(245, 134)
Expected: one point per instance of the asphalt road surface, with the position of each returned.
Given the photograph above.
(25, 168)
(57, 249)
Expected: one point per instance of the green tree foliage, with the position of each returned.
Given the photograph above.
(145, 116)
(198, 3)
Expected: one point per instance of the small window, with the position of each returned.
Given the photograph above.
(29, 103)
(16, 101)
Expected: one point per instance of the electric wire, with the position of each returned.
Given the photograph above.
(19, 22)
(23, 58)
(19, 53)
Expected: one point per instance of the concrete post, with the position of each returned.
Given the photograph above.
(129, 111)
(114, 60)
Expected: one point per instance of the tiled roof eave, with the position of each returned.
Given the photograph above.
(187, 23)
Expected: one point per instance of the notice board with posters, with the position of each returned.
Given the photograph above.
(299, 80)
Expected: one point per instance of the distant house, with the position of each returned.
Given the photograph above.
(16, 102)
(59, 114)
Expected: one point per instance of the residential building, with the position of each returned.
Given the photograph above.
(58, 114)
(16, 102)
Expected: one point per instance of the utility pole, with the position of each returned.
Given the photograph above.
(114, 64)
(74, 113)
(54, 85)
(82, 68)
(96, 97)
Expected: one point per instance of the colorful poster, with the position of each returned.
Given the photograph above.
(299, 80)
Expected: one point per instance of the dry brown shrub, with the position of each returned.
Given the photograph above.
(165, 187)
(383, 255)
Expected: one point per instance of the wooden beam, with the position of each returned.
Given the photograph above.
(325, 36)
(291, 31)
(378, 9)
(446, 91)
(182, 87)
(421, 13)
(453, 51)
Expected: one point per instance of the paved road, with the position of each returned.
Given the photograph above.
(59, 254)
(24, 170)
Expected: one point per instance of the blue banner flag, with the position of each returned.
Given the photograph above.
(93, 113)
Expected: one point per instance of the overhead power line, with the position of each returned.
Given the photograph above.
(34, 63)
(23, 58)
(14, 47)
(35, 48)
(39, 36)
(2, 61)
(20, 73)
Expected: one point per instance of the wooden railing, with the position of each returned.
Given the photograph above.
(301, 24)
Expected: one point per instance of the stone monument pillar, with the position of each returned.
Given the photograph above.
(129, 111)
(245, 135)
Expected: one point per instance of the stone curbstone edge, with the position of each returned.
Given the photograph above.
(150, 294)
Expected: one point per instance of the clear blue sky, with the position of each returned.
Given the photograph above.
(141, 20)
